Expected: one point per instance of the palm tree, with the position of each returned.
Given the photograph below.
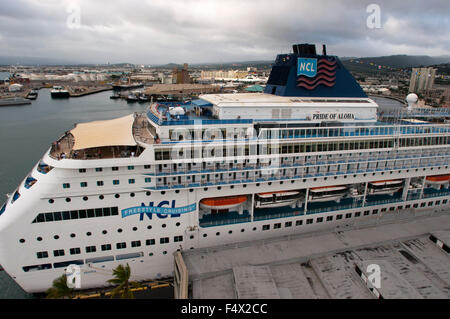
(60, 289)
(122, 280)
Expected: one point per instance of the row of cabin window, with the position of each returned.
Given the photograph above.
(76, 214)
(101, 183)
(244, 150)
(114, 168)
(106, 247)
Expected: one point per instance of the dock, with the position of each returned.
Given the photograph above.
(84, 90)
(402, 254)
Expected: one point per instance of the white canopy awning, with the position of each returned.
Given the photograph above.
(116, 132)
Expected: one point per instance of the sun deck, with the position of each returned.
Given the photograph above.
(105, 139)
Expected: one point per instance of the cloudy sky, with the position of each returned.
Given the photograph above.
(196, 31)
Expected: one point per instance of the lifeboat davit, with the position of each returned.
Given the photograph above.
(277, 199)
(385, 187)
(438, 179)
(327, 193)
(221, 203)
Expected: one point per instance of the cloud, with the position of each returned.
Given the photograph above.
(194, 31)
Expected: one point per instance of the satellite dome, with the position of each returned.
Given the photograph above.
(412, 98)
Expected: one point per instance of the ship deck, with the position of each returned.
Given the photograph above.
(406, 245)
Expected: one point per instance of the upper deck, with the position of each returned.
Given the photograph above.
(252, 108)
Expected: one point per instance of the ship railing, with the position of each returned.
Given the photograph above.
(355, 131)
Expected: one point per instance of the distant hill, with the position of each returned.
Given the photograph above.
(393, 61)
(24, 60)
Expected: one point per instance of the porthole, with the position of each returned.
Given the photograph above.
(191, 190)
(134, 228)
(117, 196)
(163, 225)
(164, 252)
(39, 239)
(149, 227)
(245, 185)
(177, 224)
(85, 198)
(205, 189)
(51, 201)
(230, 232)
(219, 187)
(242, 230)
(56, 237)
(232, 186)
(269, 183)
(72, 235)
(257, 184)
(218, 234)
(254, 228)
(150, 254)
(88, 233)
(148, 193)
(281, 183)
(204, 235)
(292, 182)
(68, 199)
(131, 194)
(177, 191)
(104, 232)
(191, 237)
(101, 197)
(163, 192)
(119, 230)
(21, 240)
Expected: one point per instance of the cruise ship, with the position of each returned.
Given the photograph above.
(310, 153)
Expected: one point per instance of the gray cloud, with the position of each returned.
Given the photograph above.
(162, 31)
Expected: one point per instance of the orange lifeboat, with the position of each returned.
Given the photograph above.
(221, 203)
(438, 179)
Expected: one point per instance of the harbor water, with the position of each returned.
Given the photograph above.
(27, 131)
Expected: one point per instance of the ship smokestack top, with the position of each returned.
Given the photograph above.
(324, 50)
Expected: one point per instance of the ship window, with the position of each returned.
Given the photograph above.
(266, 227)
(75, 251)
(130, 168)
(58, 252)
(106, 211)
(115, 168)
(299, 223)
(277, 225)
(42, 254)
(121, 245)
(82, 170)
(83, 184)
(349, 215)
(129, 256)
(329, 218)
(338, 217)
(164, 240)
(136, 243)
(131, 181)
(106, 247)
(178, 238)
(147, 166)
(99, 169)
(288, 224)
(67, 263)
(99, 183)
(375, 211)
(319, 220)
(116, 182)
(149, 242)
(36, 267)
(309, 221)
(91, 249)
(66, 185)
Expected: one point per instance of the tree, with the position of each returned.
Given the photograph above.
(122, 280)
(60, 289)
